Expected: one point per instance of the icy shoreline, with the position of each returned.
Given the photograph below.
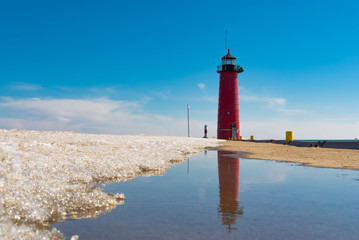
(49, 176)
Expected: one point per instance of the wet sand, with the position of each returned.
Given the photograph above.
(311, 156)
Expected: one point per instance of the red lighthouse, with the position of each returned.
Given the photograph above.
(228, 107)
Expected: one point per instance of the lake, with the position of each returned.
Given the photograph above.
(216, 195)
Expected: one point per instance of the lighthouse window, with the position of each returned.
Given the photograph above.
(230, 62)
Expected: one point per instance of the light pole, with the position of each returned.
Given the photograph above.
(188, 118)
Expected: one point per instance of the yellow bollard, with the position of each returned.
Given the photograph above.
(240, 137)
(252, 138)
(289, 136)
(235, 138)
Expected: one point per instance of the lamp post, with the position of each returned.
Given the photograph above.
(188, 118)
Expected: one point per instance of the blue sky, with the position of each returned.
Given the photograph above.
(131, 67)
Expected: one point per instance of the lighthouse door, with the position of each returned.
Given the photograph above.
(234, 133)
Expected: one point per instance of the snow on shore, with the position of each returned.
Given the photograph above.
(48, 176)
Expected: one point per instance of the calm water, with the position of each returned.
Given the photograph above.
(328, 140)
(218, 196)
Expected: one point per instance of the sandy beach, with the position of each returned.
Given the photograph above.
(310, 156)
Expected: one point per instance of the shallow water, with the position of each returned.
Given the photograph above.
(217, 196)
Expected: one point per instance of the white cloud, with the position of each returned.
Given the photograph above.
(201, 86)
(276, 104)
(290, 111)
(79, 114)
(88, 109)
(100, 115)
(271, 102)
(163, 95)
(104, 91)
(20, 86)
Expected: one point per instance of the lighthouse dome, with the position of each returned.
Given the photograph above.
(228, 56)
(229, 64)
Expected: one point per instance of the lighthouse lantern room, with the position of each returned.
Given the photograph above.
(228, 106)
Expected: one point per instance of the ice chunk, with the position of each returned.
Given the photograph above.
(49, 176)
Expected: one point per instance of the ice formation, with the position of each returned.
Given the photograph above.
(50, 176)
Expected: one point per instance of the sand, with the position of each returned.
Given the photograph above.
(310, 156)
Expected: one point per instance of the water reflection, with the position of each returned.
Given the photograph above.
(228, 176)
(312, 203)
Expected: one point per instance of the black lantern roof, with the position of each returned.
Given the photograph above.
(228, 56)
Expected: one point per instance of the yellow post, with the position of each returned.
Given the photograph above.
(289, 136)
(252, 138)
(235, 138)
(240, 137)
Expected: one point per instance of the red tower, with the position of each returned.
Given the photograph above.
(228, 107)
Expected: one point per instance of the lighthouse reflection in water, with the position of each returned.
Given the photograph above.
(199, 200)
(228, 176)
